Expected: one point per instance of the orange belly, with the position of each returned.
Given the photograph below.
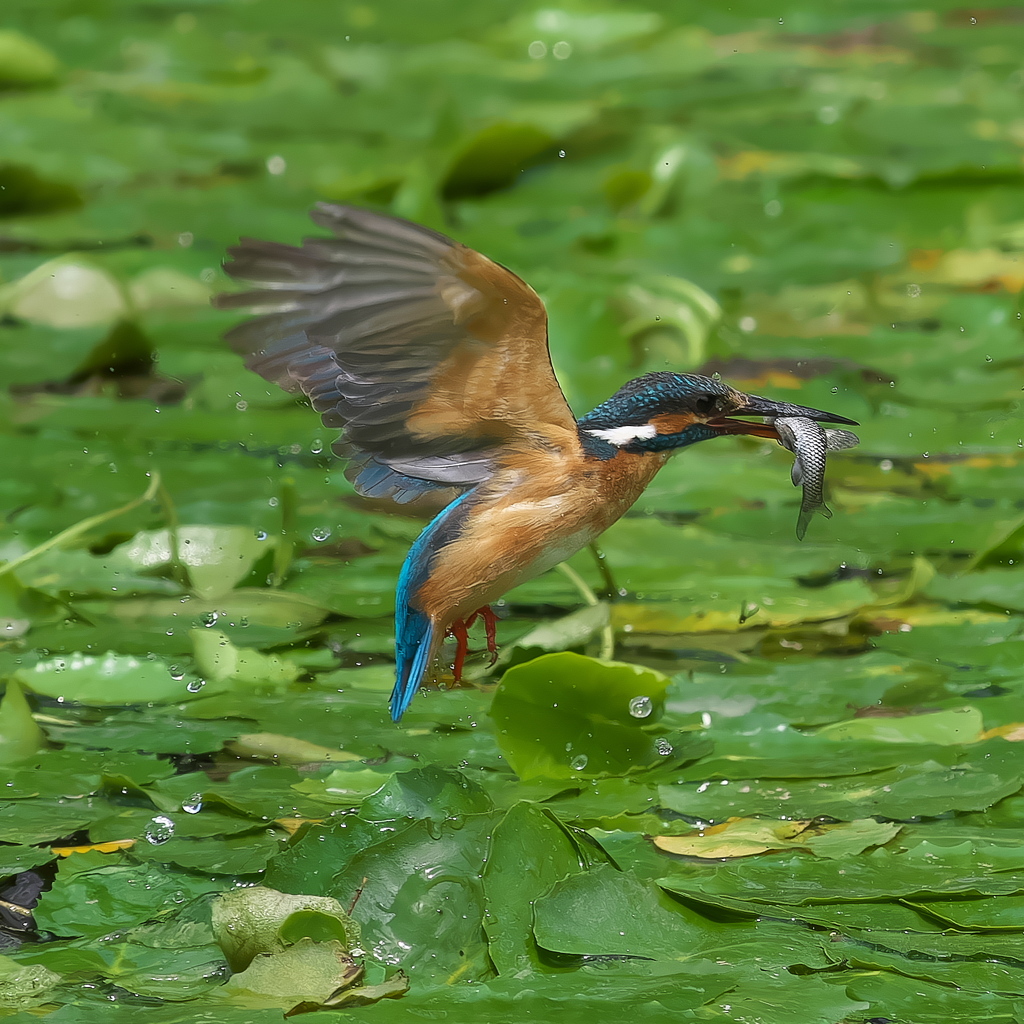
(523, 523)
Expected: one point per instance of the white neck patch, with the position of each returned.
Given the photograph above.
(622, 436)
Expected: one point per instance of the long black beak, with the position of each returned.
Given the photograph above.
(753, 405)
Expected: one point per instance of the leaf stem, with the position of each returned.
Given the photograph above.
(83, 526)
(607, 651)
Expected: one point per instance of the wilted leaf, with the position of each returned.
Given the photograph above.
(744, 837)
(308, 976)
(22, 987)
(252, 922)
(270, 746)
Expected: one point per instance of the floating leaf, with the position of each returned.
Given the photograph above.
(308, 976)
(958, 725)
(217, 557)
(568, 716)
(107, 679)
(744, 837)
(217, 658)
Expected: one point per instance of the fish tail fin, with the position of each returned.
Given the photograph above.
(801, 524)
(414, 647)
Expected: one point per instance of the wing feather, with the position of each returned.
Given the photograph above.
(428, 356)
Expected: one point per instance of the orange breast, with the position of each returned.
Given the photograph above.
(533, 514)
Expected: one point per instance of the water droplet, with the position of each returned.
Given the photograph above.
(321, 533)
(641, 707)
(317, 446)
(195, 685)
(261, 534)
(578, 763)
(561, 153)
(663, 747)
(176, 672)
(159, 830)
(988, 359)
(192, 804)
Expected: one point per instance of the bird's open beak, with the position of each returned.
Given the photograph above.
(752, 405)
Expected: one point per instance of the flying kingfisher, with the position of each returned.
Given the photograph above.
(433, 362)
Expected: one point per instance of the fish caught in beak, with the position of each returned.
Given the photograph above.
(753, 405)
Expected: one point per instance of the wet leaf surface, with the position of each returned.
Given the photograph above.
(821, 204)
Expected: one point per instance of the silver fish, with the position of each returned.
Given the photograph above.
(810, 442)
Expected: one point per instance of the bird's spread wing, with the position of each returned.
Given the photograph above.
(428, 356)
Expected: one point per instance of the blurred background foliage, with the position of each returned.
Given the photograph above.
(822, 201)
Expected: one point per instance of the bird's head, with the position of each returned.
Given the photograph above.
(663, 411)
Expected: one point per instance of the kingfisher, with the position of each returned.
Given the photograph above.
(433, 362)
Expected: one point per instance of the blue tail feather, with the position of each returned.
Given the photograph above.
(413, 649)
(414, 632)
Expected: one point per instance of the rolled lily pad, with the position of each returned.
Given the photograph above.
(23, 61)
(20, 734)
(65, 292)
(258, 920)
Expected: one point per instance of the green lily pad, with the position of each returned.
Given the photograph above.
(108, 679)
(568, 716)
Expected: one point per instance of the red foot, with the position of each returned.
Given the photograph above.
(460, 631)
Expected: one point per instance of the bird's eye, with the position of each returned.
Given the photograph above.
(705, 405)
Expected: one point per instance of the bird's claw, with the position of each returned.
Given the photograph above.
(459, 630)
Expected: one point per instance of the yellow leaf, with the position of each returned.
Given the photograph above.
(1012, 732)
(292, 825)
(738, 837)
(745, 837)
(112, 847)
(271, 746)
